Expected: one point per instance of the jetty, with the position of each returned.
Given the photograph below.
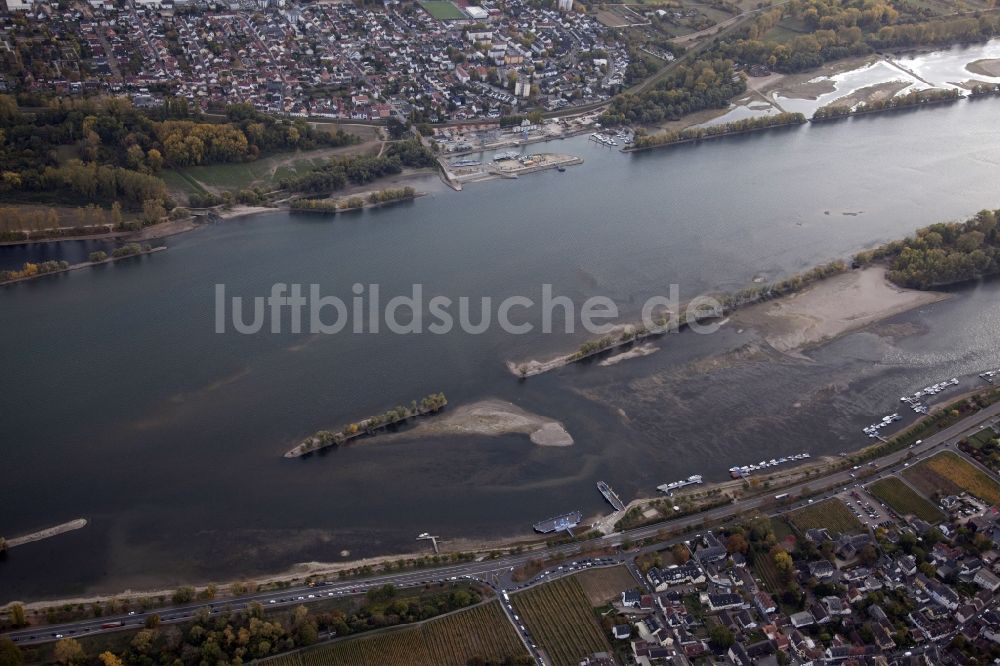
(47, 533)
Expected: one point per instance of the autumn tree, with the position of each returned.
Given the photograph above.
(68, 651)
(109, 659)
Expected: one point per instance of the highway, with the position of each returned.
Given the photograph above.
(497, 572)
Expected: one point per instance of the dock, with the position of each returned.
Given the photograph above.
(565, 521)
(611, 496)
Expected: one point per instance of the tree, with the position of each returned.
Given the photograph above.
(153, 211)
(783, 563)
(155, 159)
(18, 617)
(10, 654)
(720, 637)
(109, 659)
(68, 651)
(737, 543)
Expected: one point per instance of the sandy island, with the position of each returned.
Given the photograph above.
(985, 67)
(831, 308)
(636, 352)
(491, 418)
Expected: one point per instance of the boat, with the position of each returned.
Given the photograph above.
(561, 169)
(611, 496)
(674, 485)
(566, 521)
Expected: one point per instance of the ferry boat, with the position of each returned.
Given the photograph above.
(611, 496)
(564, 522)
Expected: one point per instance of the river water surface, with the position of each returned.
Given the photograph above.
(123, 406)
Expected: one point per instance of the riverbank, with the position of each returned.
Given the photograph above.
(47, 533)
(84, 264)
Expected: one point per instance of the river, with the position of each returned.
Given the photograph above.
(122, 405)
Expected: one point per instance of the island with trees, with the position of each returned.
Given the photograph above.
(943, 254)
(322, 439)
(693, 134)
(909, 100)
(374, 199)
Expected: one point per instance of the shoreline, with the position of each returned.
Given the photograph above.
(83, 264)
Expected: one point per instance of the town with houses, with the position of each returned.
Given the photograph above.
(903, 592)
(426, 62)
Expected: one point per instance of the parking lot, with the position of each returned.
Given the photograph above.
(867, 509)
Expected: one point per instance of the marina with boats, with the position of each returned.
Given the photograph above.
(742, 471)
(669, 488)
(612, 140)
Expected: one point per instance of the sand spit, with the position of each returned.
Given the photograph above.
(491, 418)
(985, 67)
(636, 352)
(831, 308)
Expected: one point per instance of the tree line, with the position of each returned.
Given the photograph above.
(352, 203)
(237, 637)
(912, 98)
(734, 127)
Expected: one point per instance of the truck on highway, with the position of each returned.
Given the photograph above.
(111, 625)
(781, 496)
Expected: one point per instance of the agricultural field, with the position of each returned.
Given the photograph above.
(948, 473)
(904, 500)
(452, 640)
(560, 618)
(602, 585)
(831, 514)
(442, 10)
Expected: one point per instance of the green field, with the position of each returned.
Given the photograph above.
(831, 514)
(948, 473)
(904, 500)
(561, 620)
(452, 640)
(442, 10)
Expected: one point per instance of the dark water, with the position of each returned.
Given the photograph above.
(73, 251)
(121, 404)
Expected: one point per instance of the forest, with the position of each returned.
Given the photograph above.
(102, 149)
(844, 28)
(702, 84)
(942, 254)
